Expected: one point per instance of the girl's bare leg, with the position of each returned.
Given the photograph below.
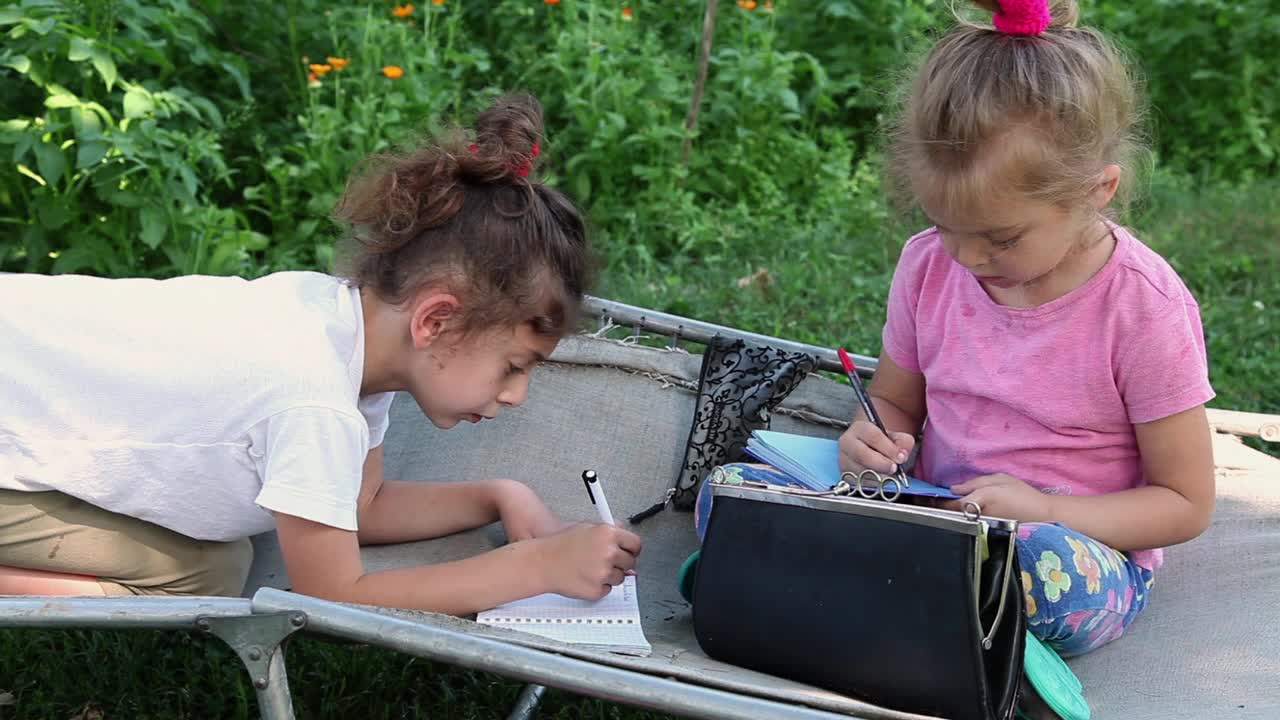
(20, 581)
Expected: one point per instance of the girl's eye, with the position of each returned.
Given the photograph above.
(1006, 244)
(514, 370)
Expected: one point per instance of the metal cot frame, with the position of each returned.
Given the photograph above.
(258, 629)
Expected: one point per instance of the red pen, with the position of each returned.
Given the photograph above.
(851, 370)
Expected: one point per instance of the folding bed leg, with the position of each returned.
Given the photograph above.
(527, 704)
(259, 640)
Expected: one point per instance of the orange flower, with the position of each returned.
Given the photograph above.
(313, 80)
(437, 2)
(551, 2)
(393, 71)
(747, 4)
(337, 62)
(768, 5)
(626, 13)
(320, 69)
(402, 10)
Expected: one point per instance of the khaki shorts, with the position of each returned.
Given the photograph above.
(58, 533)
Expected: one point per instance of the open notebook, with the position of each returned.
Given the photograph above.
(815, 462)
(612, 623)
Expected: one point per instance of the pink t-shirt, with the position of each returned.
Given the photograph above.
(1047, 394)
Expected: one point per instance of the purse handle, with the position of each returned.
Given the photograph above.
(1004, 589)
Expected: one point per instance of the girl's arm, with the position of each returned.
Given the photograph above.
(898, 394)
(392, 511)
(584, 562)
(325, 562)
(1175, 506)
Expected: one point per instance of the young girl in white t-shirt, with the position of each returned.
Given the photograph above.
(149, 428)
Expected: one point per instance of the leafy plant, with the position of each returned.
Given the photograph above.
(115, 166)
(1211, 79)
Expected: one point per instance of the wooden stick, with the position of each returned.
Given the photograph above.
(699, 84)
(1230, 453)
(1266, 427)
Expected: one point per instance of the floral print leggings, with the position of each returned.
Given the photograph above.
(1079, 593)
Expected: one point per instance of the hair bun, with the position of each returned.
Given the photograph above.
(1064, 13)
(510, 131)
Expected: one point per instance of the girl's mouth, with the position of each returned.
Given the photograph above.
(997, 281)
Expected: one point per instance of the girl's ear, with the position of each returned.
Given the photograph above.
(1108, 183)
(431, 315)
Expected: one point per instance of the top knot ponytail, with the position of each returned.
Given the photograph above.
(1064, 13)
(1037, 111)
(508, 140)
(470, 212)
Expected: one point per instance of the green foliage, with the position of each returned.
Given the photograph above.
(115, 157)
(1211, 70)
(156, 138)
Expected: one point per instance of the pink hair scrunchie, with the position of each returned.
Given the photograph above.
(1022, 17)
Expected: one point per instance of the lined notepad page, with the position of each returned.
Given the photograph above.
(611, 623)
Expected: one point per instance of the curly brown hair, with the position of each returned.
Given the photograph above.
(470, 214)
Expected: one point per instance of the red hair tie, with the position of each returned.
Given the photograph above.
(521, 169)
(1022, 17)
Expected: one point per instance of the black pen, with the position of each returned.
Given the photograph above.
(852, 371)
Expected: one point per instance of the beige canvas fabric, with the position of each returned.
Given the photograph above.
(1207, 646)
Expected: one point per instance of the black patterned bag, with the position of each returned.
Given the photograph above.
(739, 385)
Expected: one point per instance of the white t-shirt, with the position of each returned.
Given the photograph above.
(196, 403)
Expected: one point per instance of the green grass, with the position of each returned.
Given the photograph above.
(143, 674)
(828, 286)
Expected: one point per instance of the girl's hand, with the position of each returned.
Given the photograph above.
(863, 446)
(1003, 496)
(587, 560)
(524, 516)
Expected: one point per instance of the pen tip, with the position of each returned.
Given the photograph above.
(588, 474)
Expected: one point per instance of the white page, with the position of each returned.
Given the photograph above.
(611, 623)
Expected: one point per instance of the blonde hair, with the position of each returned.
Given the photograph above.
(990, 113)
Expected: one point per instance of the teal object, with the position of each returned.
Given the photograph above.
(1054, 681)
(688, 571)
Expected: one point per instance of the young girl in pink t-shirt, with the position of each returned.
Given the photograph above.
(1059, 362)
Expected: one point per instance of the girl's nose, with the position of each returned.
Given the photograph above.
(969, 254)
(516, 391)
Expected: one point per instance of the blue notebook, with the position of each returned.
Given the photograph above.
(814, 462)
